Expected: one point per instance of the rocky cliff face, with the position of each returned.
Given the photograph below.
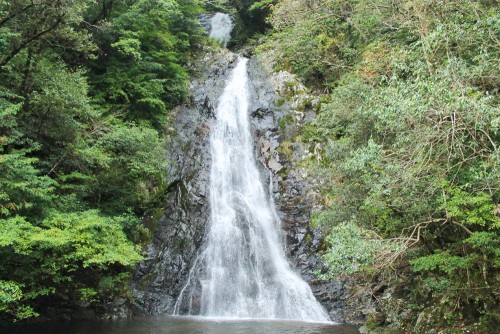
(295, 192)
(179, 234)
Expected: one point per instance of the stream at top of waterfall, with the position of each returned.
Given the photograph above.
(180, 325)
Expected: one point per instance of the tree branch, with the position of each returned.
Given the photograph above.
(28, 41)
(11, 16)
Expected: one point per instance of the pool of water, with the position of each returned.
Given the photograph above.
(181, 325)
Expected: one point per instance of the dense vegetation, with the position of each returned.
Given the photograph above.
(85, 94)
(407, 135)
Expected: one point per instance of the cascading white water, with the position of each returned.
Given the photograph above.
(243, 271)
(221, 26)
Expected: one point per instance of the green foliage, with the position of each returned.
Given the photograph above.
(441, 261)
(149, 40)
(437, 285)
(409, 130)
(9, 107)
(471, 209)
(29, 25)
(65, 251)
(12, 299)
(114, 285)
(350, 248)
(487, 242)
(53, 113)
(86, 238)
(130, 173)
(86, 91)
(22, 189)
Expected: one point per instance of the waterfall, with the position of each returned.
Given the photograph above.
(221, 26)
(242, 270)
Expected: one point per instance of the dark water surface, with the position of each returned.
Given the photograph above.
(180, 325)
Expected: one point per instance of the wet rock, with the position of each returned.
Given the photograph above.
(260, 113)
(179, 234)
(300, 236)
(274, 165)
(364, 330)
(205, 21)
(265, 146)
(207, 109)
(116, 309)
(290, 183)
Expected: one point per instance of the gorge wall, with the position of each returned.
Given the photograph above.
(179, 234)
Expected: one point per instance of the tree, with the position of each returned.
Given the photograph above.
(87, 89)
(409, 127)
